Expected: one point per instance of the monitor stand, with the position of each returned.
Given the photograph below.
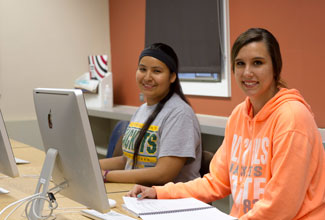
(36, 208)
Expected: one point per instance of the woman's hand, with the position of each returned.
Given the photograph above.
(142, 192)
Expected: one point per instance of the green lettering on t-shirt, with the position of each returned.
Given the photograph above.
(152, 144)
(129, 139)
(144, 140)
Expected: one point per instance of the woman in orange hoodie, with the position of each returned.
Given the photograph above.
(272, 159)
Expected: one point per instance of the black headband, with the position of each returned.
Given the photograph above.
(160, 55)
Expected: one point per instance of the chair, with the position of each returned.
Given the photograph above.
(115, 138)
(205, 162)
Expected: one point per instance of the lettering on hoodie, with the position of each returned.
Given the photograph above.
(247, 169)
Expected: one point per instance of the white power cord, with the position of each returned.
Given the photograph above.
(22, 202)
(31, 200)
(51, 201)
(19, 201)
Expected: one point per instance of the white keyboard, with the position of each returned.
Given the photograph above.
(112, 215)
(3, 191)
(21, 161)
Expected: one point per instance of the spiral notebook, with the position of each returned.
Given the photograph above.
(187, 208)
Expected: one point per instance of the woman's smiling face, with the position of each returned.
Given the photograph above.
(254, 72)
(154, 79)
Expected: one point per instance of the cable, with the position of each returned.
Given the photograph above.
(36, 196)
(59, 187)
(29, 176)
(50, 200)
(12, 211)
(21, 200)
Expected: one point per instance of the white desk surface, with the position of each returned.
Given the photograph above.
(214, 125)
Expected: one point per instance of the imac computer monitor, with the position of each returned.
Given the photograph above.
(65, 130)
(7, 160)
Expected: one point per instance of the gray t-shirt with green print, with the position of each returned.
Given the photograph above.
(174, 132)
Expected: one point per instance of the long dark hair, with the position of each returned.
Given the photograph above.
(175, 87)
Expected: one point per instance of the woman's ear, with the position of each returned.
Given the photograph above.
(172, 77)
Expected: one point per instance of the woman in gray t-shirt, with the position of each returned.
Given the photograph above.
(162, 142)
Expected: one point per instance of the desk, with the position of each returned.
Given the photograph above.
(25, 185)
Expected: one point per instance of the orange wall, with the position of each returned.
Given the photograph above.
(298, 25)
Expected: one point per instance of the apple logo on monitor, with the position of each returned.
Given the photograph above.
(49, 118)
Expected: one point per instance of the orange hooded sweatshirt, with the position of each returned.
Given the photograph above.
(273, 164)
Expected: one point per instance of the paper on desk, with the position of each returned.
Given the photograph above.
(139, 207)
(206, 214)
(187, 208)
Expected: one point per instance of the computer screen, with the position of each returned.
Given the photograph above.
(7, 160)
(65, 128)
